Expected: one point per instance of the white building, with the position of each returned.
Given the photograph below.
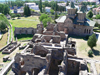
(32, 6)
(47, 9)
(61, 4)
(77, 7)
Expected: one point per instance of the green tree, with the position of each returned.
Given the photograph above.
(90, 53)
(2, 25)
(13, 16)
(44, 22)
(52, 11)
(27, 11)
(92, 41)
(99, 26)
(1, 8)
(96, 24)
(90, 14)
(40, 6)
(43, 16)
(18, 15)
(56, 16)
(67, 3)
(98, 16)
(43, 10)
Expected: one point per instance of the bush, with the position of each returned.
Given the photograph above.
(99, 26)
(98, 16)
(96, 24)
(90, 53)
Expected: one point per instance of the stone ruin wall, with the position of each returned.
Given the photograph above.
(24, 31)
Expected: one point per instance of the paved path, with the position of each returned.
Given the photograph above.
(93, 65)
(0, 35)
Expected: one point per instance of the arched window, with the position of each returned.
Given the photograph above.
(85, 31)
(89, 31)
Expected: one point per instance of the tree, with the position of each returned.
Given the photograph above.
(92, 41)
(13, 16)
(2, 25)
(67, 3)
(52, 11)
(18, 15)
(90, 14)
(43, 16)
(40, 6)
(99, 26)
(44, 22)
(43, 10)
(98, 16)
(96, 24)
(56, 16)
(27, 11)
(90, 52)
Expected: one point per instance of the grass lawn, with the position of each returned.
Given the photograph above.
(82, 49)
(3, 40)
(25, 22)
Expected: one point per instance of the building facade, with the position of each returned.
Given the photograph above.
(75, 22)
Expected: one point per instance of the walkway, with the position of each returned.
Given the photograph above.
(93, 65)
(0, 35)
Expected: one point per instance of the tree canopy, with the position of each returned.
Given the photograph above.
(92, 41)
(2, 25)
(98, 16)
(4, 9)
(44, 19)
(40, 6)
(52, 11)
(27, 11)
(90, 14)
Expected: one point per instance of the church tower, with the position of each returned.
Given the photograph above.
(71, 11)
(82, 14)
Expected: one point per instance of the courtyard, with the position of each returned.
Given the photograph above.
(82, 49)
(27, 22)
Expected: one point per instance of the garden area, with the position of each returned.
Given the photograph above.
(27, 22)
(82, 49)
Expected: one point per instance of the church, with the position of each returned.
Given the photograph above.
(75, 22)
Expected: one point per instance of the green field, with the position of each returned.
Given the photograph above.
(25, 22)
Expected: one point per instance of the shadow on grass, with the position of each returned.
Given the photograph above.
(79, 37)
(96, 52)
(24, 36)
(91, 56)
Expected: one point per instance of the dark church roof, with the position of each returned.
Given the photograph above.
(87, 22)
